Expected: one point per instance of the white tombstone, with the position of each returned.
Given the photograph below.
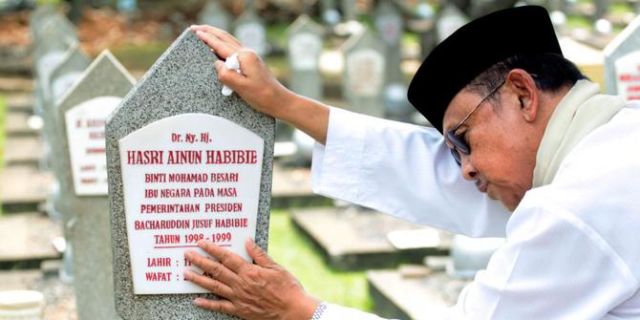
(364, 73)
(622, 63)
(251, 32)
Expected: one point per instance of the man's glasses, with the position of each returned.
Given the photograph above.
(459, 145)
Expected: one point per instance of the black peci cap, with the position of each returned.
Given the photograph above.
(474, 48)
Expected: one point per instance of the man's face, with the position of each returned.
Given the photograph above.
(502, 144)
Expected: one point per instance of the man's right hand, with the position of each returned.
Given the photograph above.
(260, 89)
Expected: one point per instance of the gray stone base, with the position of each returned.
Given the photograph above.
(24, 188)
(292, 188)
(402, 296)
(20, 102)
(16, 124)
(354, 239)
(26, 239)
(23, 150)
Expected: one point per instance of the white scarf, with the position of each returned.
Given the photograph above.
(581, 111)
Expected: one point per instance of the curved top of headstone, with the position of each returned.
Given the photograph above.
(182, 80)
(304, 23)
(104, 77)
(214, 15)
(366, 39)
(627, 40)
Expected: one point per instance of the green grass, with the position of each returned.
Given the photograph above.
(297, 254)
(578, 22)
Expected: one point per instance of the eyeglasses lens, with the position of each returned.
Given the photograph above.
(460, 146)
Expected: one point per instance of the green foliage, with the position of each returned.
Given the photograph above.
(578, 22)
(296, 253)
(139, 57)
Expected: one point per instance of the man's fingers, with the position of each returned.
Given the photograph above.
(221, 34)
(229, 77)
(215, 269)
(224, 306)
(222, 49)
(226, 257)
(257, 254)
(216, 287)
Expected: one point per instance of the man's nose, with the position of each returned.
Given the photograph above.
(469, 172)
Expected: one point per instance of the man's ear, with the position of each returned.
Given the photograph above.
(524, 87)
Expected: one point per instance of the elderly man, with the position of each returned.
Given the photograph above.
(514, 122)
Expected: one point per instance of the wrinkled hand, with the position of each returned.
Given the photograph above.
(263, 290)
(256, 84)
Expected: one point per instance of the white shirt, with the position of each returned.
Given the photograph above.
(573, 246)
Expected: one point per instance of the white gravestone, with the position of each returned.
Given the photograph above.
(85, 134)
(251, 32)
(182, 185)
(364, 74)
(622, 63)
(82, 114)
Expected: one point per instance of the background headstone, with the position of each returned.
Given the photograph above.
(251, 32)
(364, 73)
(215, 15)
(178, 106)
(622, 63)
(82, 114)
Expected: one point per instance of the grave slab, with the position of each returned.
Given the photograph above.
(176, 107)
(27, 236)
(19, 279)
(292, 188)
(353, 238)
(82, 114)
(17, 124)
(24, 188)
(20, 102)
(23, 151)
(399, 295)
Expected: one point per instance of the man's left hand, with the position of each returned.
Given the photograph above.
(263, 290)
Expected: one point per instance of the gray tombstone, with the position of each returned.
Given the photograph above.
(62, 77)
(390, 27)
(364, 73)
(450, 19)
(82, 113)
(215, 15)
(184, 163)
(349, 10)
(251, 32)
(304, 49)
(622, 63)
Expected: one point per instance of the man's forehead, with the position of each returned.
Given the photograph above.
(459, 107)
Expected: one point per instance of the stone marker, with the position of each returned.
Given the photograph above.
(27, 237)
(62, 78)
(82, 114)
(450, 19)
(354, 238)
(215, 15)
(304, 49)
(364, 68)
(185, 163)
(250, 30)
(622, 63)
(390, 26)
(23, 150)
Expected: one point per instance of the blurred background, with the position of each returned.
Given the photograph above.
(358, 55)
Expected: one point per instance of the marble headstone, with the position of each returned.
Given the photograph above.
(390, 27)
(184, 163)
(364, 73)
(82, 114)
(450, 19)
(62, 78)
(251, 32)
(215, 15)
(304, 48)
(622, 63)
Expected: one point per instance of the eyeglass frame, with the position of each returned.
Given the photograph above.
(459, 145)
